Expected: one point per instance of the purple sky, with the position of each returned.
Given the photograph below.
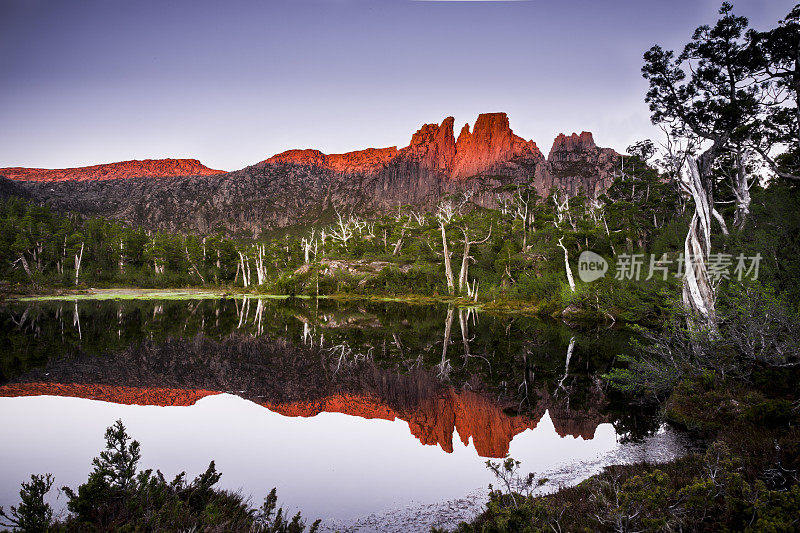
(232, 83)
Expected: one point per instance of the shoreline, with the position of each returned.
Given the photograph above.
(570, 315)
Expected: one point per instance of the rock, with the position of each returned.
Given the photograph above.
(491, 148)
(147, 168)
(362, 161)
(576, 163)
(571, 148)
(301, 186)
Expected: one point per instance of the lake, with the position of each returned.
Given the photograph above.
(369, 415)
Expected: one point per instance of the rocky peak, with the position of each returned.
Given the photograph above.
(433, 146)
(490, 144)
(567, 148)
(147, 168)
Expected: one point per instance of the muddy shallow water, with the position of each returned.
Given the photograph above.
(375, 416)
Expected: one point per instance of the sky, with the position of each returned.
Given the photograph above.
(232, 83)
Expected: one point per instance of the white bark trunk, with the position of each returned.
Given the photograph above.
(245, 270)
(698, 292)
(570, 279)
(462, 276)
(399, 243)
(448, 270)
(78, 259)
(721, 221)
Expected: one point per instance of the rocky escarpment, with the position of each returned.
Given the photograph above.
(576, 163)
(492, 148)
(305, 186)
(148, 168)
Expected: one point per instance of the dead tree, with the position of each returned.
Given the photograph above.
(403, 229)
(244, 267)
(570, 279)
(309, 244)
(523, 204)
(78, 259)
(466, 258)
(561, 209)
(192, 265)
(444, 215)
(444, 367)
(345, 228)
(261, 269)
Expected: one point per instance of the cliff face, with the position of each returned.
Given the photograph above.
(301, 185)
(148, 168)
(493, 148)
(577, 162)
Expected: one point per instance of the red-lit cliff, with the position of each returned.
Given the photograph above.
(147, 168)
(303, 185)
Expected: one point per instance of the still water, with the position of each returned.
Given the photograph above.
(372, 416)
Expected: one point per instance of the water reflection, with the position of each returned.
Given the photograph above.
(486, 387)
(290, 353)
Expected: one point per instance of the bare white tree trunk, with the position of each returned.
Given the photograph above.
(444, 215)
(193, 266)
(698, 292)
(78, 259)
(570, 279)
(245, 270)
(399, 242)
(465, 259)
(448, 269)
(444, 366)
(76, 321)
(24, 264)
(570, 349)
(261, 270)
(723, 226)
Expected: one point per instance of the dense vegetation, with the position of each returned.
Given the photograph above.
(119, 497)
(520, 264)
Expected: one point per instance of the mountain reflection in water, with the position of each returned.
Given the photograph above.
(433, 421)
(447, 373)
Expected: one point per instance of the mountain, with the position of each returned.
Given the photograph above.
(147, 168)
(305, 186)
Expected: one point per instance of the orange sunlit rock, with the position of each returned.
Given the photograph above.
(488, 148)
(147, 168)
(490, 143)
(361, 161)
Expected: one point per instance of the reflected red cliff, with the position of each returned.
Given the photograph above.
(108, 393)
(433, 422)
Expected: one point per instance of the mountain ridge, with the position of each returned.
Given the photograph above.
(300, 186)
(134, 168)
